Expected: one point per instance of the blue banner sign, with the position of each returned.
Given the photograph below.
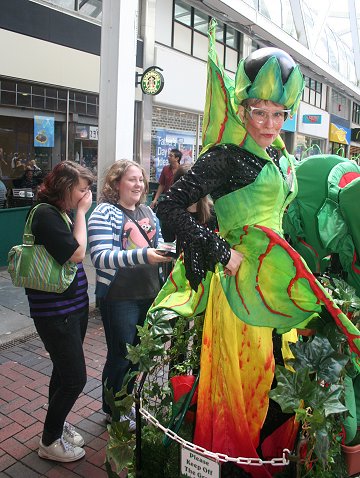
(170, 139)
(44, 131)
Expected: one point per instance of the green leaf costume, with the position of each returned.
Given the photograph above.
(273, 288)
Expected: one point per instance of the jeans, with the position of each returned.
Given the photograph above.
(63, 338)
(120, 319)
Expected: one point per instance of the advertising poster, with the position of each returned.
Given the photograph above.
(44, 131)
(185, 141)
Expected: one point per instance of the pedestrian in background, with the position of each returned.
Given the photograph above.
(167, 175)
(61, 319)
(123, 235)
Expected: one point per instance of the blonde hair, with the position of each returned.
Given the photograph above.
(110, 189)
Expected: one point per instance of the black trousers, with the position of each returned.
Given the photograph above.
(63, 339)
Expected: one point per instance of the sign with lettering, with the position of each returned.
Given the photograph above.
(152, 81)
(170, 139)
(199, 466)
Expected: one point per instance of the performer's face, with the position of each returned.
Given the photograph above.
(263, 121)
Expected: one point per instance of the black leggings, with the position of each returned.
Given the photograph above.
(63, 338)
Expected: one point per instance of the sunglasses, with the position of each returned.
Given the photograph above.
(260, 115)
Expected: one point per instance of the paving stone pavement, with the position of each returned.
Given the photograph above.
(25, 370)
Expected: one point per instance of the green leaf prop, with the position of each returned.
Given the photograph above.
(120, 446)
(291, 388)
(319, 357)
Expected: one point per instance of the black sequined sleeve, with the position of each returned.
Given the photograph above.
(202, 248)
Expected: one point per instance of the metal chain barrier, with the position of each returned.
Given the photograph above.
(216, 456)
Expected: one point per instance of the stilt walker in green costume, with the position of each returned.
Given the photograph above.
(247, 279)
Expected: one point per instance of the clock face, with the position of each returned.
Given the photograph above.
(152, 82)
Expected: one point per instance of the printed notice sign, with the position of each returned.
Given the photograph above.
(195, 465)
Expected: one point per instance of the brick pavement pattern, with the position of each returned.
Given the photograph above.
(25, 370)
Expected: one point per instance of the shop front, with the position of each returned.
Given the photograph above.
(173, 129)
(312, 131)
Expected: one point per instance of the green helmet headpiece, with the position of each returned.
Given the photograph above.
(269, 74)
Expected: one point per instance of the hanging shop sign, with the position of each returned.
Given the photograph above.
(44, 131)
(312, 119)
(151, 81)
(83, 131)
(339, 134)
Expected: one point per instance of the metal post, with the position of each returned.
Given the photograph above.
(67, 126)
(138, 392)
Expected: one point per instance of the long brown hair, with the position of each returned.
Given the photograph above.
(110, 189)
(59, 183)
(203, 206)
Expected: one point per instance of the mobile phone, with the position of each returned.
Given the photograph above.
(167, 249)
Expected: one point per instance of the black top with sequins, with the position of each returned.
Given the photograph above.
(220, 171)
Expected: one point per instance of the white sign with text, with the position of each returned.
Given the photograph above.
(195, 465)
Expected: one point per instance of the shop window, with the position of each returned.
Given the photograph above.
(62, 94)
(200, 47)
(38, 102)
(51, 93)
(356, 113)
(23, 88)
(231, 59)
(231, 37)
(80, 97)
(24, 99)
(182, 13)
(8, 85)
(91, 109)
(81, 107)
(62, 106)
(201, 22)
(51, 104)
(314, 93)
(219, 36)
(38, 90)
(190, 35)
(8, 98)
(182, 38)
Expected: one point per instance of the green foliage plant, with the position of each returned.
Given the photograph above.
(314, 389)
(169, 345)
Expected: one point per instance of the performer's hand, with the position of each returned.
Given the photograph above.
(234, 263)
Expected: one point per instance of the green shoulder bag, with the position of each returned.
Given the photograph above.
(30, 265)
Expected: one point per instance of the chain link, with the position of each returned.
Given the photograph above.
(216, 456)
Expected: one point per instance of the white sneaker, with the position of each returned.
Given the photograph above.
(132, 423)
(132, 414)
(60, 450)
(72, 436)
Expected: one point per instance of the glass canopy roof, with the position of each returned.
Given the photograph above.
(88, 8)
(328, 28)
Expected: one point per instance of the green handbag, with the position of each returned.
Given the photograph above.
(30, 265)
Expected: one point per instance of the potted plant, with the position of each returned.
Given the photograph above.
(318, 391)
